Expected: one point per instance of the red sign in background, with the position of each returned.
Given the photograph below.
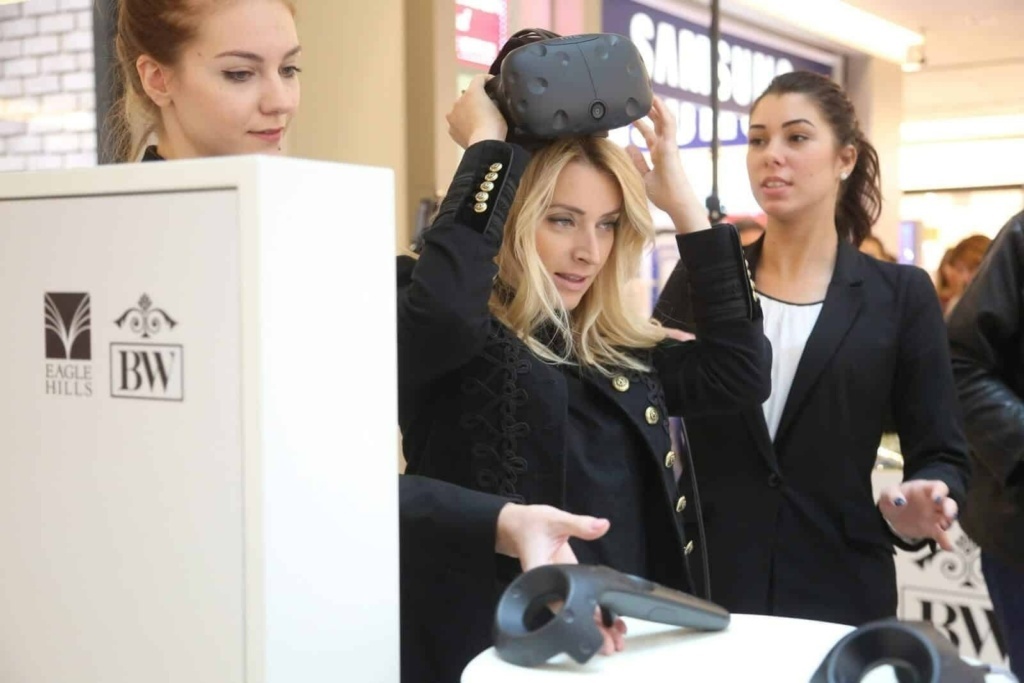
(479, 31)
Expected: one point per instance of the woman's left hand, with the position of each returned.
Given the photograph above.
(920, 508)
(667, 185)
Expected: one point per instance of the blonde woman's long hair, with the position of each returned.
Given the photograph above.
(602, 332)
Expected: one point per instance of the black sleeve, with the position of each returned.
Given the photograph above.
(442, 296)
(984, 335)
(445, 525)
(674, 308)
(728, 366)
(927, 415)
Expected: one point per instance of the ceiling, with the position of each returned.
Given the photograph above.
(974, 55)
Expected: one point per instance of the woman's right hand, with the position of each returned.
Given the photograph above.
(539, 535)
(666, 183)
(474, 116)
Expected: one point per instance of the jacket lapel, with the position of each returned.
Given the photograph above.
(843, 301)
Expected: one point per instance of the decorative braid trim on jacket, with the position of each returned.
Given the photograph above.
(496, 461)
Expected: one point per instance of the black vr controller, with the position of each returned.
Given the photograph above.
(522, 637)
(548, 86)
(915, 650)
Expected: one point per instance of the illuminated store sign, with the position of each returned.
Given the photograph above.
(677, 53)
(480, 27)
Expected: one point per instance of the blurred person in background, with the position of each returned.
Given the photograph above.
(964, 260)
(986, 335)
(945, 277)
(872, 246)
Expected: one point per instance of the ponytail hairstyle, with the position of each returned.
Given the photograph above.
(859, 203)
(160, 29)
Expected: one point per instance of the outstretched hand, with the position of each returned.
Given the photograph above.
(920, 508)
(666, 183)
(539, 535)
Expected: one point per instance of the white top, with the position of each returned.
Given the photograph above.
(787, 326)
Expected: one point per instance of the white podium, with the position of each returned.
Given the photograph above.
(198, 424)
(753, 648)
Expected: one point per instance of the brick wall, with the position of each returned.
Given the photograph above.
(47, 93)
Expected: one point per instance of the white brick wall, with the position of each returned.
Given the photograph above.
(47, 77)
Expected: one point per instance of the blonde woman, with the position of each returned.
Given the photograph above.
(523, 372)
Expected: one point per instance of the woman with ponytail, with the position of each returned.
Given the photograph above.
(204, 78)
(793, 526)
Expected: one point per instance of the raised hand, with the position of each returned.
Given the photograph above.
(474, 116)
(667, 186)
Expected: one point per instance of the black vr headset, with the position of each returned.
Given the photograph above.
(548, 86)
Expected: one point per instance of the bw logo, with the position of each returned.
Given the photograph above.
(147, 370)
(68, 335)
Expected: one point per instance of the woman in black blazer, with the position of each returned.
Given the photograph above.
(523, 372)
(793, 528)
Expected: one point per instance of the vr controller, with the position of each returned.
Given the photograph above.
(522, 637)
(916, 651)
(548, 86)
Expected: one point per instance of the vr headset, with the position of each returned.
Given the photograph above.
(548, 86)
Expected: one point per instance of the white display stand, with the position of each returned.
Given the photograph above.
(753, 648)
(205, 490)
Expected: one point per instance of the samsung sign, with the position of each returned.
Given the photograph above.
(678, 57)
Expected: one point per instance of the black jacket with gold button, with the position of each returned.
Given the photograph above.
(478, 409)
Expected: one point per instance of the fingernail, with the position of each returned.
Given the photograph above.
(900, 502)
(938, 499)
(956, 516)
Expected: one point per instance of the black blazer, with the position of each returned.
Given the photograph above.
(478, 409)
(986, 333)
(793, 528)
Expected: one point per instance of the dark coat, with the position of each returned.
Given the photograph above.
(793, 528)
(447, 537)
(478, 409)
(986, 334)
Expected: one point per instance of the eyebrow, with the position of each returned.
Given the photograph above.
(787, 123)
(581, 212)
(252, 56)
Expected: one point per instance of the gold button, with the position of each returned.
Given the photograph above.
(651, 415)
(681, 504)
(689, 548)
(486, 186)
(479, 207)
(495, 167)
(482, 196)
(491, 177)
(621, 383)
(670, 459)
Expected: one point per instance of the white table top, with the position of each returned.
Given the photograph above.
(753, 648)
